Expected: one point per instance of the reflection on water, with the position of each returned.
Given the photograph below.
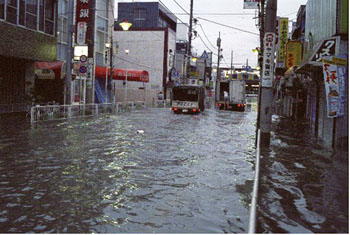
(183, 174)
(303, 187)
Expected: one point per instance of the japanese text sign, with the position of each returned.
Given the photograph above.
(327, 48)
(334, 73)
(293, 53)
(268, 59)
(82, 19)
(283, 39)
(251, 4)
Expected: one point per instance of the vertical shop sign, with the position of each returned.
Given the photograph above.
(268, 59)
(282, 42)
(82, 19)
(334, 73)
(293, 53)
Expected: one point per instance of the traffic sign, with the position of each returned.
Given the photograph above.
(82, 69)
(83, 58)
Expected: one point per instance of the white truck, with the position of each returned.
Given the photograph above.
(236, 95)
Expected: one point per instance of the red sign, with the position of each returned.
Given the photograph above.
(82, 19)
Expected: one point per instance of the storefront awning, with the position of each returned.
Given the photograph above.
(48, 70)
(120, 74)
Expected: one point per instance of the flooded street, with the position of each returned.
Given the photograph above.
(151, 171)
(182, 174)
(303, 187)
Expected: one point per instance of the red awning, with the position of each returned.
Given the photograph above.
(55, 66)
(119, 74)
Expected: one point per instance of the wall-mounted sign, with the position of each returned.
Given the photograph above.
(329, 47)
(282, 42)
(293, 53)
(251, 4)
(81, 21)
(268, 60)
(334, 73)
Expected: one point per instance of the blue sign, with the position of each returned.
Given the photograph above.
(83, 69)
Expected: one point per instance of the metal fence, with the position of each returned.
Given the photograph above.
(56, 112)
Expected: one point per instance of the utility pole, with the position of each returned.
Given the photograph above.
(90, 94)
(111, 95)
(69, 55)
(189, 53)
(231, 64)
(266, 93)
(218, 43)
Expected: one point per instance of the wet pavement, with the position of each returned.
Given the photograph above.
(303, 187)
(183, 174)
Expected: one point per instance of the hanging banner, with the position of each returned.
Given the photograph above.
(268, 60)
(294, 51)
(251, 4)
(282, 42)
(81, 21)
(334, 73)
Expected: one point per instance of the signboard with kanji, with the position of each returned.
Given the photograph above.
(81, 21)
(334, 73)
(268, 60)
(329, 47)
(251, 4)
(282, 42)
(293, 53)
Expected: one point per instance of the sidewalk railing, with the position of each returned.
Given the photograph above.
(57, 112)
(253, 204)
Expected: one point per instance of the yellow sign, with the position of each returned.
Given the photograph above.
(282, 39)
(294, 51)
(340, 62)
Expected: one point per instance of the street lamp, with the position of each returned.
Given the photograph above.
(126, 80)
(125, 25)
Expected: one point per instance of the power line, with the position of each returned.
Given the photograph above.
(242, 30)
(207, 37)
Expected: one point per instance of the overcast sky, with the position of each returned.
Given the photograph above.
(231, 13)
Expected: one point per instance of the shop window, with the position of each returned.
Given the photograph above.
(49, 16)
(31, 13)
(102, 24)
(22, 12)
(41, 15)
(11, 11)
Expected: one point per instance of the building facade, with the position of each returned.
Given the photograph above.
(150, 43)
(28, 34)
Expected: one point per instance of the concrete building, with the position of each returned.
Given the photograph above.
(150, 42)
(322, 28)
(28, 34)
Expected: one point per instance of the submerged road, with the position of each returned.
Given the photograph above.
(183, 174)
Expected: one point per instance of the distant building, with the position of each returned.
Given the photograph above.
(151, 41)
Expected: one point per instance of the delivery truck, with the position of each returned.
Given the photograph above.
(235, 95)
(188, 99)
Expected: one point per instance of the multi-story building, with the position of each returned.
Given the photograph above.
(150, 43)
(28, 34)
(326, 34)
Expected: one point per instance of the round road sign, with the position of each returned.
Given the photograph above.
(83, 58)
(83, 69)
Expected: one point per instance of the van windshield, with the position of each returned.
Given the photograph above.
(183, 94)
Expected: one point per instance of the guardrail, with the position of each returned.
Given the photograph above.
(57, 112)
(253, 204)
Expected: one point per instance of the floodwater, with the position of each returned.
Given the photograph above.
(303, 187)
(151, 171)
(181, 173)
